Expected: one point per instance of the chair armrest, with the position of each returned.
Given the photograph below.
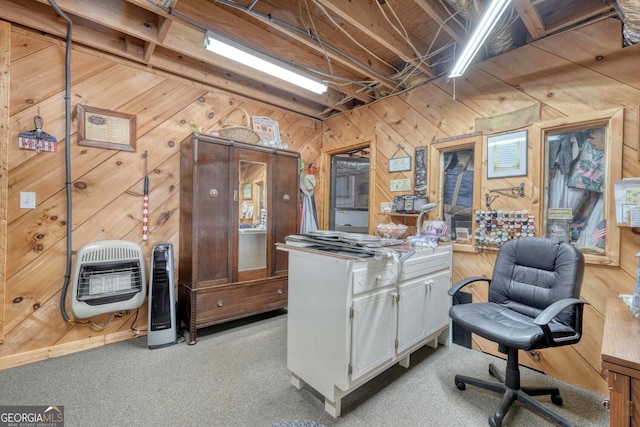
(465, 282)
(549, 313)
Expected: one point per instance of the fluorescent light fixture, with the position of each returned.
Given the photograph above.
(251, 58)
(482, 31)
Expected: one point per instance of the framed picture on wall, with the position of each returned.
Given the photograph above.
(246, 190)
(507, 155)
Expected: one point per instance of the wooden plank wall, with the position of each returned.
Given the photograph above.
(571, 74)
(5, 58)
(107, 184)
(575, 73)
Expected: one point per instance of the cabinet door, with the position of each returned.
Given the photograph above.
(208, 231)
(373, 332)
(439, 301)
(423, 308)
(412, 312)
(252, 214)
(286, 194)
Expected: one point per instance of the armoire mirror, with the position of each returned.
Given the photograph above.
(252, 221)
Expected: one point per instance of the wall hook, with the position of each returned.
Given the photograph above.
(507, 191)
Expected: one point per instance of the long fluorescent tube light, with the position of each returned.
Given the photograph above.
(251, 58)
(482, 31)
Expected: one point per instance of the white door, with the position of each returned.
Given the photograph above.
(412, 313)
(439, 301)
(373, 331)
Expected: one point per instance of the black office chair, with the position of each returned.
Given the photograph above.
(533, 303)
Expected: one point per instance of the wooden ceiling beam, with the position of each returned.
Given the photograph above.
(441, 19)
(531, 19)
(214, 77)
(178, 37)
(44, 18)
(127, 18)
(182, 38)
(238, 28)
(355, 12)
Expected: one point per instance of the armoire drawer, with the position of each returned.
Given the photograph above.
(235, 301)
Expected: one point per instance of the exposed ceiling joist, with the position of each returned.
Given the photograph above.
(364, 49)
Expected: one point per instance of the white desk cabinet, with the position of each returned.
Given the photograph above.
(350, 318)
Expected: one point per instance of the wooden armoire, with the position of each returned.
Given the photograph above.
(237, 200)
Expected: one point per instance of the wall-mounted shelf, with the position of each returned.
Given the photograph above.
(406, 215)
(408, 219)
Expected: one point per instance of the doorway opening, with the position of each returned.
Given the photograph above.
(349, 191)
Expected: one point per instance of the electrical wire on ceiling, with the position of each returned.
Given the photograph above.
(412, 70)
(353, 39)
(164, 6)
(402, 31)
(315, 31)
(276, 22)
(379, 86)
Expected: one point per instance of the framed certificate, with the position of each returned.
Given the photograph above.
(400, 164)
(507, 155)
(106, 129)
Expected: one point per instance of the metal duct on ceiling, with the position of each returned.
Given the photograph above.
(468, 9)
(629, 12)
(501, 39)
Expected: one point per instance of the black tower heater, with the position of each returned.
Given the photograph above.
(162, 308)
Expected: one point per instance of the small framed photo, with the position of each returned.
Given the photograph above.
(246, 191)
(507, 155)
(462, 235)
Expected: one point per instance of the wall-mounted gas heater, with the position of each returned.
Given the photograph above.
(108, 276)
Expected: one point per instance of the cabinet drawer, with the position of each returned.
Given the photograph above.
(426, 262)
(374, 277)
(236, 301)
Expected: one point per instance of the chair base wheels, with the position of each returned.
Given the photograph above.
(510, 395)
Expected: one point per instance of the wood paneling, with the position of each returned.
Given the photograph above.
(581, 72)
(5, 78)
(107, 185)
(559, 72)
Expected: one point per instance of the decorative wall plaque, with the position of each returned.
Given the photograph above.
(106, 129)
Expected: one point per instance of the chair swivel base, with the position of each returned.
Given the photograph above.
(513, 393)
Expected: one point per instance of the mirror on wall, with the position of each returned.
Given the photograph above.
(252, 221)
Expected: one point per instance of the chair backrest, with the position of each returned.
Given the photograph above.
(531, 273)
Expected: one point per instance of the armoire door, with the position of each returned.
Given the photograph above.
(286, 199)
(204, 214)
(252, 215)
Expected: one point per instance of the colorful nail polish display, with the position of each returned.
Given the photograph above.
(494, 227)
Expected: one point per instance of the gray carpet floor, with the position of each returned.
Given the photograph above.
(236, 375)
